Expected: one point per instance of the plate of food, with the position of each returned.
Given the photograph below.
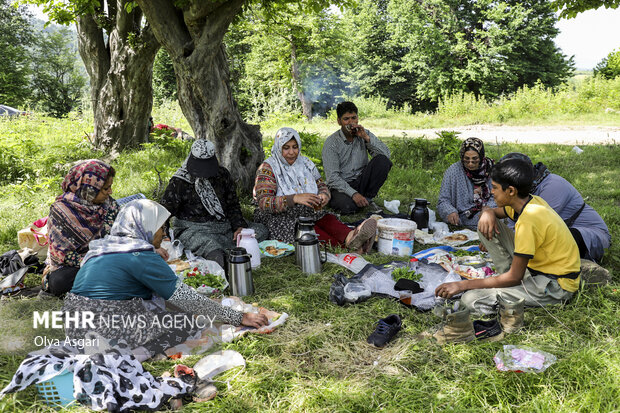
(275, 249)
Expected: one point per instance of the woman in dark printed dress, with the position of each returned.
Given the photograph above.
(288, 185)
(134, 276)
(84, 212)
(202, 197)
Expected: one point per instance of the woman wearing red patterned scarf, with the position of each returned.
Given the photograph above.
(466, 186)
(85, 211)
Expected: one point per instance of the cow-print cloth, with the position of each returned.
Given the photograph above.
(110, 380)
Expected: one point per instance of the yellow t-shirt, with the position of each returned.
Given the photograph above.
(542, 236)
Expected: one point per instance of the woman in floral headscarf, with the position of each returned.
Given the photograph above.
(84, 212)
(288, 185)
(466, 186)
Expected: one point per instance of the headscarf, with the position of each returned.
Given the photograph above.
(133, 230)
(298, 178)
(75, 219)
(478, 177)
(540, 169)
(202, 149)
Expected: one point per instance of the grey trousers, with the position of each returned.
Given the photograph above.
(537, 291)
(203, 237)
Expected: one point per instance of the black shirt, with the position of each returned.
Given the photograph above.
(183, 202)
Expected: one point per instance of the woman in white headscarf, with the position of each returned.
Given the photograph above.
(288, 186)
(202, 198)
(122, 274)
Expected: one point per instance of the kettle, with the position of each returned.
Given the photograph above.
(309, 254)
(240, 272)
(304, 225)
(419, 213)
(247, 239)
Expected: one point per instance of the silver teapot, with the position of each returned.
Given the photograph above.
(308, 253)
(240, 272)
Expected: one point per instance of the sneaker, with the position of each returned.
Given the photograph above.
(490, 330)
(386, 329)
(364, 231)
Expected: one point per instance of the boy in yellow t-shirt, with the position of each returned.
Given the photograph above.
(539, 263)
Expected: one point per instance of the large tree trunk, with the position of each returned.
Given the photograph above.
(120, 72)
(193, 38)
(306, 103)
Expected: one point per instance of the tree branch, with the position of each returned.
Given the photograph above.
(218, 22)
(167, 24)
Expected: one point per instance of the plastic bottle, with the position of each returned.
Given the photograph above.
(413, 264)
(352, 262)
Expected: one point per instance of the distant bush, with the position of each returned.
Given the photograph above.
(609, 67)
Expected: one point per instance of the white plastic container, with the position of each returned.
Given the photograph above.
(396, 236)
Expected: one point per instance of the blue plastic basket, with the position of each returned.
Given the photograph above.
(58, 391)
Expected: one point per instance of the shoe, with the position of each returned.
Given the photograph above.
(455, 328)
(511, 314)
(386, 329)
(364, 231)
(373, 208)
(490, 330)
(203, 391)
(594, 274)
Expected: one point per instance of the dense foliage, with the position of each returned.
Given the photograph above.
(412, 53)
(609, 67)
(57, 81)
(570, 8)
(39, 67)
(16, 37)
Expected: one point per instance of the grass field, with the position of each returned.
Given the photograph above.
(319, 360)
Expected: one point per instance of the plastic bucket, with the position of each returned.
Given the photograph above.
(396, 236)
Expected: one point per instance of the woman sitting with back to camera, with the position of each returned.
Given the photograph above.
(135, 274)
(466, 186)
(288, 186)
(84, 212)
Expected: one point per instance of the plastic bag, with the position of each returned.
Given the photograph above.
(522, 359)
(204, 265)
(173, 247)
(392, 206)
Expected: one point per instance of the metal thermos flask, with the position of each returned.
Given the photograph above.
(310, 259)
(240, 272)
(304, 225)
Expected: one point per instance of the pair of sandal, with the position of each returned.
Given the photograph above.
(362, 238)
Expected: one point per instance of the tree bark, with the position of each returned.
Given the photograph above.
(120, 72)
(193, 38)
(306, 103)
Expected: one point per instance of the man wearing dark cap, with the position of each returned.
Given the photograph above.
(202, 197)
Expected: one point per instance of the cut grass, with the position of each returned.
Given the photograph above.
(319, 360)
